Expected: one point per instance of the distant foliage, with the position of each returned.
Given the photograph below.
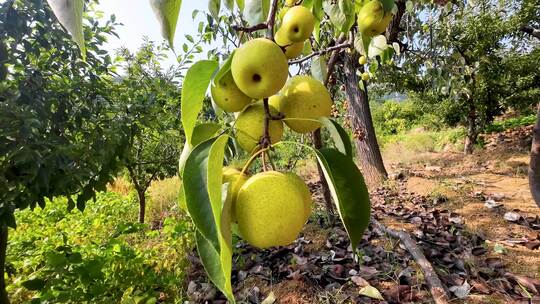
(98, 256)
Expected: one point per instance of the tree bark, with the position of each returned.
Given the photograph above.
(472, 132)
(367, 147)
(3, 248)
(142, 206)
(534, 165)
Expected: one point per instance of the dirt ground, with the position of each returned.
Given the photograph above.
(466, 182)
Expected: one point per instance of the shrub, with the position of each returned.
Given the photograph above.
(56, 256)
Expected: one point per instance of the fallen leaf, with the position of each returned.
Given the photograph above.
(512, 216)
(371, 292)
(359, 281)
(270, 299)
(462, 291)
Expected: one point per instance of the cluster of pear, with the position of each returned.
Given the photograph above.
(270, 208)
(259, 70)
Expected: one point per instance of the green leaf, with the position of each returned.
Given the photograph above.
(193, 91)
(229, 4)
(348, 190)
(196, 193)
(34, 284)
(213, 7)
(240, 4)
(319, 68)
(361, 44)
(255, 11)
(340, 137)
(70, 15)
(221, 208)
(167, 12)
(388, 5)
(341, 14)
(224, 69)
(377, 46)
(210, 259)
(201, 133)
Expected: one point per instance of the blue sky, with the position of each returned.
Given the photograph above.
(139, 21)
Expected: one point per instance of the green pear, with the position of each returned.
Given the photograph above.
(362, 60)
(236, 180)
(249, 127)
(369, 17)
(292, 49)
(303, 100)
(298, 23)
(259, 68)
(365, 76)
(303, 188)
(382, 25)
(270, 210)
(274, 101)
(227, 96)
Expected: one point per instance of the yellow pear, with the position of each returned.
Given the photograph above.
(249, 127)
(236, 179)
(298, 23)
(290, 2)
(381, 26)
(259, 68)
(303, 100)
(292, 49)
(270, 210)
(227, 96)
(365, 76)
(369, 17)
(303, 188)
(274, 101)
(362, 60)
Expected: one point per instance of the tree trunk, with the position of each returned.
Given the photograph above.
(367, 147)
(142, 205)
(3, 248)
(472, 132)
(534, 165)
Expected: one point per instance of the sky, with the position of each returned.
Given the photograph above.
(139, 21)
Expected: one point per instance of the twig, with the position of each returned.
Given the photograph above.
(321, 52)
(435, 285)
(268, 24)
(332, 62)
(265, 141)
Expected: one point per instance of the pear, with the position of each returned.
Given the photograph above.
(304, 99)
(298, 23)
(270, 210)
(292, 49)
(303, 188)
(381, 26)
(369, 17)
(259, 68)
(365, 76)
(227, 96)
(249, 127)
(362, 60)
(274, 101)
(236, 180)
(290, 2)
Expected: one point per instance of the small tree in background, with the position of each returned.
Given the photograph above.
(151, 100)
(58, 134)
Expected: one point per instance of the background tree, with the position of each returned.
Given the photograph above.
(468, 61)
(151, 100)
(57, 134)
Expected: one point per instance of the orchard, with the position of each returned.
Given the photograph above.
(281, 150)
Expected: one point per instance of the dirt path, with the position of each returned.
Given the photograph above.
(465, 183)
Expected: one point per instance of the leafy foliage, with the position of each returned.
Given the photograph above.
(58, 135)
(98, 256)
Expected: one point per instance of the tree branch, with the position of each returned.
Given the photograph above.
(531, 31)
(435, 285)
(268, 25)
(321, 52)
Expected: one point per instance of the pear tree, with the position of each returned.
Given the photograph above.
(260, 102)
